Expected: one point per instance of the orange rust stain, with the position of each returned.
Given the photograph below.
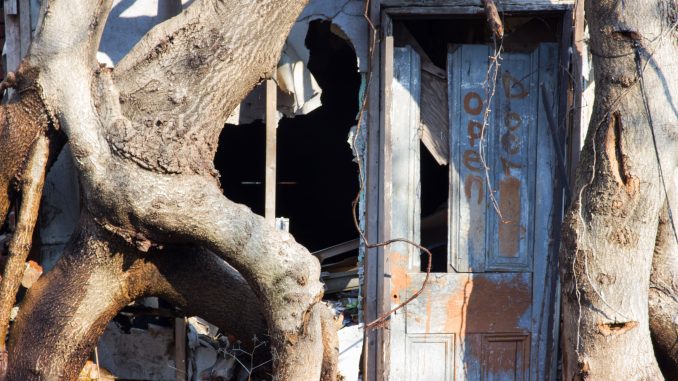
(428, 309)
(400, 281)
(509, 229)
(456, 308)
(485, 305)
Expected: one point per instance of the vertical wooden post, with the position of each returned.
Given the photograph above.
(169, 8)
(24, 26)
(180, 348)
(371, 265)
(271, 131)
(577, 90)
(12, 35)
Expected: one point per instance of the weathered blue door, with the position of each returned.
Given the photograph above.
(489, 316)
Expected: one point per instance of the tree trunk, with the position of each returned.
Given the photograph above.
(99, 274)
(66, 311)
(143, 138)
(663, 297)
(610, 229)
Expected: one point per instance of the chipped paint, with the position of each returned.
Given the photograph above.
(470, 303)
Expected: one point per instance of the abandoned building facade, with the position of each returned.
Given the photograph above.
(448, 136)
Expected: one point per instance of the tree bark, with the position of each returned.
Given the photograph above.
(22, 121)
(143, 140)
(66, 311)
(609, 230)
(20, 245)
(663, 296)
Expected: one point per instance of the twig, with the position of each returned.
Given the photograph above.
(490, 89)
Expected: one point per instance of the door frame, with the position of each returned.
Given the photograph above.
(377, 298)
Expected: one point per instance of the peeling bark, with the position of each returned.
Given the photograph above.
(609, 231)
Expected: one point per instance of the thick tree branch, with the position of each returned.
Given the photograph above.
(202, 284)
(32, 182)
(22, 121)
(69, 28)
(62, 57)
(185, 77)
(96, 278)
(150, 209)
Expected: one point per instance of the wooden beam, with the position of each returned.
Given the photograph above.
(371, 261)
(577, 89)
(180, 348)
(414, 9)
(271, 142)
(24, 26)
(385, 190)
(503, 5)
(333, 251)
(12, 36)
(11, 7)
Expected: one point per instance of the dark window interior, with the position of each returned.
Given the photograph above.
(317, 178)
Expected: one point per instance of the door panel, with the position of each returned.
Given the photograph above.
(431, 357)
(487, 317)
(471, 303)
(492, 185)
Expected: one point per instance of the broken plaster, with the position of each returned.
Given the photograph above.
(348, 22)
(299, 92)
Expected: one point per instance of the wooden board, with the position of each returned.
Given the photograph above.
(503, 5)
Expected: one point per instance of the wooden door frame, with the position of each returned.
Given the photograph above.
(377, 294)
